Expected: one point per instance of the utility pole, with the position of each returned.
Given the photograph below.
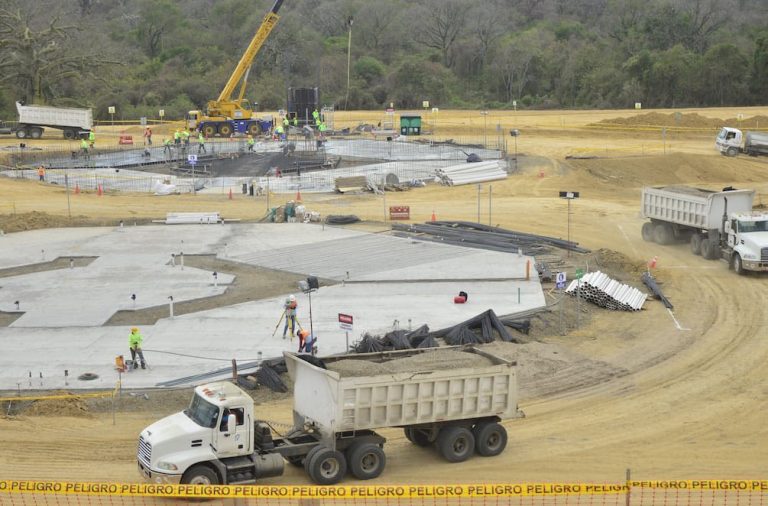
(349, 58)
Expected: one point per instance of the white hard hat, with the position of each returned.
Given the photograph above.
(292, 298)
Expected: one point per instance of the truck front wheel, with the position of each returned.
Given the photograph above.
(225, 130)
(647, 231)
(200, 475)
(738, 265)
(732, 152)
(209, 130)
(366, 461)
(455, 444)
(327, 467)
(696, 244)
(490, 439)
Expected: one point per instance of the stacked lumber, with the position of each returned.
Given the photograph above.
(598, 288)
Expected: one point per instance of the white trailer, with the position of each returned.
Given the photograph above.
(731, 141)
(34, 118)
(718, 224)
(218, 439)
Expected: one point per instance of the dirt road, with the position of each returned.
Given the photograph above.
(681, 397)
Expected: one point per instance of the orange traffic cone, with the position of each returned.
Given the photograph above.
(77, 189)
(434, 218)
(99, 191)
(230, 194)
(298, 195)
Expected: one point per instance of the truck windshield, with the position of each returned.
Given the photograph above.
(753, 226)
(202, 412)
(721, 135)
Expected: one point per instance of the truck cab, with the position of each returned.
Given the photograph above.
(729, 141)
(217, 425)
(747, 236)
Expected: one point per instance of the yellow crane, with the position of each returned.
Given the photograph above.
(229, 113)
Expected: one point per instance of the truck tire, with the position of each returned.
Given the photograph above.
(366, 461)
(22, 133)
(225, 130)
(732, 152)
(200, 475)
(647, 231)
(696, 242)
(327, 467)
(254, 129)
(709, 250)
(416, 437)
(662, 234)
(490, 438)
(295, 461)
(737, 264)
(35, 132)
(209, 131)
(455, 444)
(70, 134)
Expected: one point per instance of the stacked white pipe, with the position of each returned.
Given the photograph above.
(468, 173)
(598, 288)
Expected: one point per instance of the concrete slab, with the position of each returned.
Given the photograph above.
(62, 331)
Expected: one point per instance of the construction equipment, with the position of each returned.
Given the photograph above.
(456, 407)
(230, 114)
(33, 119)
(718, 225)
(731, 142)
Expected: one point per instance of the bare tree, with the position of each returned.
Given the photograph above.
(441, 23)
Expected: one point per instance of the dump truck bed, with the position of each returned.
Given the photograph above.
(55, 116)
(693, 207)
(336, 403)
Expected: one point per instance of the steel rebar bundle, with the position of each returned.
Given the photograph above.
(599, 289)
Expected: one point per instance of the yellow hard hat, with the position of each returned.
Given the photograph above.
(134, 329)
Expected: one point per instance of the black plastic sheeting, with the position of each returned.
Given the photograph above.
(650, 282)
(466, 332)
(428, 342)
(341, 219)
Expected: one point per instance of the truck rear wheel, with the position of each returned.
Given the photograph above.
(455, 444)
(738, 265)
(327, 467)
(35, 132)
(490, 439)
(366, 461)
(709, 250)
(200, 475)
(22, 133)
(647, 231)
(662, 234)
(225, 130)
(696, 244)
(254, 129)
(416, 437)
(70, 134)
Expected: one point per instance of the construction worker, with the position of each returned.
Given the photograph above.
(316, 116)
(286, 123)
(321, 128)
(167, 146)
(295, 120)
(201, 143)
(185, 137)
(279, 132)
(84, 147)
(41, 173)
(148, 136)
(306, 342)
(92, 137)
(134, 343)
(289, 311)
(251, 142)
(177, 137)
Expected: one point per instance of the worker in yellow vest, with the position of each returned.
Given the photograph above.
(92, 137)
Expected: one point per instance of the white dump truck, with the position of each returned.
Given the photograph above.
(718, 224)
(220, 440)
(33, 119)
(731, 142)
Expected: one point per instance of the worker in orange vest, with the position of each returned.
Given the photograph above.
(41, 173)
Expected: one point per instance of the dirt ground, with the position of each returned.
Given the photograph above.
(679, 395)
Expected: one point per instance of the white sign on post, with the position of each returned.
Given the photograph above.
(345, 321)
(560, 280)
(192, 159)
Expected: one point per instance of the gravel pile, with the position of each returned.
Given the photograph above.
(428, 361)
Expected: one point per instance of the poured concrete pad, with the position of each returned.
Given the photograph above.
(392, 283)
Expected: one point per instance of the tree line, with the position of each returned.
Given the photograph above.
(145, 55)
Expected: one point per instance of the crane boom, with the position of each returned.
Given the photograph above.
(270, 20)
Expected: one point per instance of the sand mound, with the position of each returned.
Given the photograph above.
(59, 407)
(685, 120)
(428, 361)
